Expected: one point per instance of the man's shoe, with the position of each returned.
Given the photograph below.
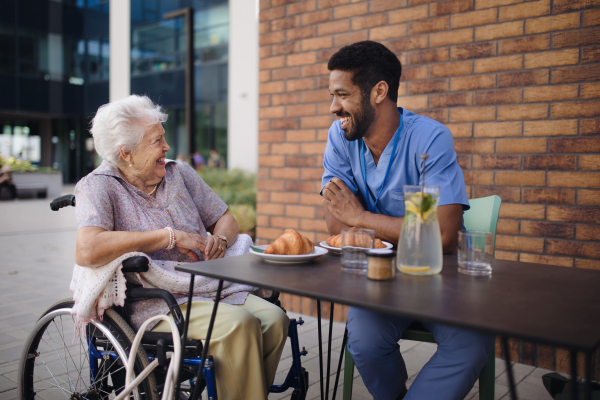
(402, 393)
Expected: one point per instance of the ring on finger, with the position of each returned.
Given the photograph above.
(221, 248)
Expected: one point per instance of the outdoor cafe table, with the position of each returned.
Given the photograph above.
(540, 303)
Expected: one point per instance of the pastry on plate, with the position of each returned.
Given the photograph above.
(336, 241)
(290, 243)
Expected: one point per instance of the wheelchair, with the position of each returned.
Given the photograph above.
(54, 365)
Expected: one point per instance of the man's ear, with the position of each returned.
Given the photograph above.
(380, 91)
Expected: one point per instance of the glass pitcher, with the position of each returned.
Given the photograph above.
(420, 244)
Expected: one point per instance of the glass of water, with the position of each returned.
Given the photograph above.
(355, 243)
(475, 252)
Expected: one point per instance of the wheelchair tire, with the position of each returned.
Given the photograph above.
(54, 365)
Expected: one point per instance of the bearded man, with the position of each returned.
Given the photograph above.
(372, 151)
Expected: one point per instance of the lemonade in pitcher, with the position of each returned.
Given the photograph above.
(420, 244)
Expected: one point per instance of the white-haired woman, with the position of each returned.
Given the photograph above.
(134, 201)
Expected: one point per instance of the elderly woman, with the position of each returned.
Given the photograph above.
(139, 201)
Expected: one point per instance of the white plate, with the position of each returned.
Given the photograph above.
(283, 259)
(337, 250)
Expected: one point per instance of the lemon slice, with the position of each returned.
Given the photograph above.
(414, 269)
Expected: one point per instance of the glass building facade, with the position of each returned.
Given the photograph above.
(54, 71)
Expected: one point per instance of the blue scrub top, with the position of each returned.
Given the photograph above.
(419, 135)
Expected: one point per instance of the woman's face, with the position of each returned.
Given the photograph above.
(148, 159)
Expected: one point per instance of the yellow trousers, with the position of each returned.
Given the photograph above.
(246, 344)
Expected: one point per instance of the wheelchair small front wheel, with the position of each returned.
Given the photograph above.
(53, 365)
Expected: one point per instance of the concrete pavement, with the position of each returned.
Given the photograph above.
(36, 261)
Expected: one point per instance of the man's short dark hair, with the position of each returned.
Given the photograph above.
(370, 62)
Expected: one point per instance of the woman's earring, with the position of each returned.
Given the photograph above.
(130, 165)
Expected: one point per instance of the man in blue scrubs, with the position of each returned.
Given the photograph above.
(372, 151)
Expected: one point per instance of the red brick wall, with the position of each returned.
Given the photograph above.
(517, 82)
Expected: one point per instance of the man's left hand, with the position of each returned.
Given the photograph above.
(342, 203)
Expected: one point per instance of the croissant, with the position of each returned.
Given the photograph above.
(290, 243)
(336, 241)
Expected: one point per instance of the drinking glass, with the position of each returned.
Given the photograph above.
(355, 243)
(475, 249)
(420, 244)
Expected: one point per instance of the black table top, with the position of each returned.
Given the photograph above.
(542, 303)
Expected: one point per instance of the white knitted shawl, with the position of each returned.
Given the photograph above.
(96, 289)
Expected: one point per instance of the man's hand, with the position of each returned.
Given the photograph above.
(342, 203)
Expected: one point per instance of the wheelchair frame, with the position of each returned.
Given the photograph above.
(156, 344)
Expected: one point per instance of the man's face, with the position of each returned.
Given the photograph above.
(348, 102)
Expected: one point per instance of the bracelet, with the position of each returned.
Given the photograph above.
(224, 238)
(172, 241)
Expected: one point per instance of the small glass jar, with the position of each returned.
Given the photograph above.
(381, 264)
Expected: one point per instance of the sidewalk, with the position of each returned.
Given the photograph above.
(36, 261)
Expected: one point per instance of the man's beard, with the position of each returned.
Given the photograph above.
(362, 119)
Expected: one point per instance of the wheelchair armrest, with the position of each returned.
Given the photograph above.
(273, 298)
(135, 264)
(62, 201)
(141, 293)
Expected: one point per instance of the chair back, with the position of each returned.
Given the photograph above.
(483, 215)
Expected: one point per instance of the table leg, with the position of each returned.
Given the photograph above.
(588, 375)
(320, 346)
(337, 374)
(196, 392)
(329, 351)
(185, 332)
(509, 371)
(573, 362)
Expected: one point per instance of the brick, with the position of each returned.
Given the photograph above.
(323, 82)
(561, 6)
(590, 90)
(315, 96)
(271, 136)
(480, 146)
(510, 96)
(586, 215)
(299, 211)
(300, 186)
(591, 17)
(270, 184)
(376, 6)
(551, 128)
(590, 126)
(587, 264)
(301, 7)
(284, 197)
(574, 179)
(576, 249)
(316, 122)
(450, 69)
(473, 82)
(284, 23)
(498, 64)
(588, 197)
(550, 260)
(590, 54)
(301, 59)
(429, 86)
(333, 27)
(520, 178)
(522, 211)
(483, 17)
(429, 25)
(312, 173)
(497, 162)
(505, 255)
(313, 148)
(262, 220)
(301, 110)
(272, 13)
(524, 78)
(589, 162)
(387, 32)
(550, 163)
(575, 74)
(332, 3)
(413, 102)
(409, 43)
(342, 39)
(547, 229)
(301, 33)
(300, 84)
(479, 4)
(428, 56)
(414, 73)
(271, 38)
(350, 10)
(524, 10)
(440, 115)
(272, 62)
(286, 98)
(268, 233)
(464, 161)
(537, 145)
(369, 21)
(519, 243)
(550, 93)
(287, 123)
(507, 226)
(548, 196)
(588, 232)
(300, 161)
(264, 125)
(264, 4)
(507, 194)
(499, 31)
(264, 76)
(579, 37)
(316, 17)
(271, 112)
(576, 109)
(528, 111)
(473, 114)
(264, 148)
(450, 100)
(478, 177)
(285, 223)
(498, 129)
(408, 14)
(456, 36)
(552, 58)
(307, 135)
(469, 51)
(317, 43)
(269, 209)
(271, 87)
(450, 7)
(264, 51)
(552, 23)
(574, 146)
(461, 130)
(318, 225)
(524, 45)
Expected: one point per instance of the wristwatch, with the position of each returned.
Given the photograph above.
(222, 237)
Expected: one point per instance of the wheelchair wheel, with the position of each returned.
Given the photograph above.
(55, 366)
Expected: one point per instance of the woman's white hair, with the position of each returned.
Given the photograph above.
(122, 125)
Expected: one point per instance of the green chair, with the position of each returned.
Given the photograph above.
(482, 216)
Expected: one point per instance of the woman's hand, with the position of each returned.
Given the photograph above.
(215, 248)
(187, 242)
